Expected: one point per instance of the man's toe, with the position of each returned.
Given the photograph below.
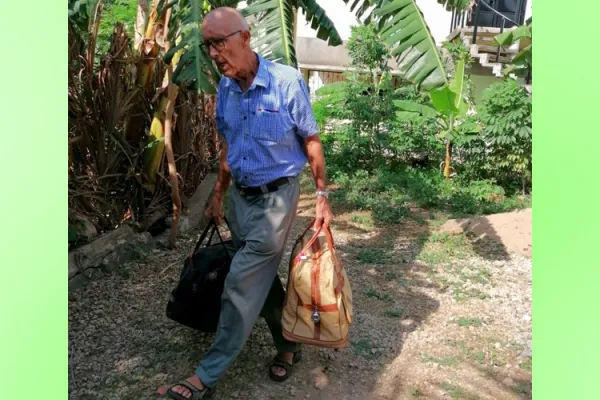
(182, 391)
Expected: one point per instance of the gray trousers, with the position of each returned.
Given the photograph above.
(260, 227)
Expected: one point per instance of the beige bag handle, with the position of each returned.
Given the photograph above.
(328, 237)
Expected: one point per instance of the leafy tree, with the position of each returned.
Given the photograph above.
(450, 113)
(503, 151)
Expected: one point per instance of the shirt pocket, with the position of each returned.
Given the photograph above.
(268, 127)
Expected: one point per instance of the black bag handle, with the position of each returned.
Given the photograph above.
(215, 228)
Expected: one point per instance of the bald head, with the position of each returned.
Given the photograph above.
(226, 19)
(227, 35)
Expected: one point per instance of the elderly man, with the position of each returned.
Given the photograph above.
(264, 115)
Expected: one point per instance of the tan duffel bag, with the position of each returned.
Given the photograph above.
(318, 303)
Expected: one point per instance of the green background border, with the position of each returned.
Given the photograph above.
(566, 215)
(33, 160)
(33, 338)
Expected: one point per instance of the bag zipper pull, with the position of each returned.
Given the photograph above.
(316, 317)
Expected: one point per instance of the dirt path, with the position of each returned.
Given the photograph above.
(434, 319)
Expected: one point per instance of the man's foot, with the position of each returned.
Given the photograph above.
(281, 367)
(193, 381)
(288, 358)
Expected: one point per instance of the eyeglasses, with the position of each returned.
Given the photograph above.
(218, 44)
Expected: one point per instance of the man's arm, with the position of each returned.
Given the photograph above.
(316, 160)
(215, 208)
(224, 177)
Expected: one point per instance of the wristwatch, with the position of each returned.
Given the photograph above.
(322, 193)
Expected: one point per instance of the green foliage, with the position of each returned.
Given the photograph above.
(467, 322)
(366, 49)
(80, 14)
(123, 11)
(374, 136)
(521, 63)
(403, 28)
(330, 103)
(504, 149)
(390, 191)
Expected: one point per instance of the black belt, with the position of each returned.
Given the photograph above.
(258, 190)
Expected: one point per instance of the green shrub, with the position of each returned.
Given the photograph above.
(329, 103)
(389, 193)
(503, 150)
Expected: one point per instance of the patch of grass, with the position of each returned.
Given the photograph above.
(390, 276)
(482, 276)
(466, 322)
(442, 248)
(384, 213)
(445, 361)
(373, 256)
(379, 296)
(461, 294)
(522, 388)
(362, 220)
(392, 313)
(140, 254)
(364, 348)
(415, 392)
(125, 272)
(526, 365)
(457, 392)
(468, 351)
(498, 358)
(419, 219)
(478, 294)
(478, 356)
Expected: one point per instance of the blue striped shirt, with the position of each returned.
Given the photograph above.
(265, 127)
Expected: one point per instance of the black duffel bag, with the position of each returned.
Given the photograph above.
(196, 301)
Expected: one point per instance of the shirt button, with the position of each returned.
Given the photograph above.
(244, 158)
(244, 117)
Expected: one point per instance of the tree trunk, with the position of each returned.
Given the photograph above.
(448, 160)
(135, 127)
(140, 23)
(171, 98)
(92, 37)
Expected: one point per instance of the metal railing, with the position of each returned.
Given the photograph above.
(459, 19)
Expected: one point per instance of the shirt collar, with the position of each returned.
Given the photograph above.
(261, 79)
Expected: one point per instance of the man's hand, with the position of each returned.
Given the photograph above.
(215, 209)
(323, 216)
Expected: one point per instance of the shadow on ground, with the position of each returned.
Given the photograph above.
(122, 346)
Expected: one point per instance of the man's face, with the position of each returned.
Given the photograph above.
(227, 47)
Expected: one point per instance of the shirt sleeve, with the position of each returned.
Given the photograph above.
(300, 108)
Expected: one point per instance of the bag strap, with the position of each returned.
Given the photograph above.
(212, 224)
(328, 237)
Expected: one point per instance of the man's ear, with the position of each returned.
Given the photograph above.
(246, 36)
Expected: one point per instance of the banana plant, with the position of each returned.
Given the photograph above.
(402, 26)
(521, 64)
(449, 111)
